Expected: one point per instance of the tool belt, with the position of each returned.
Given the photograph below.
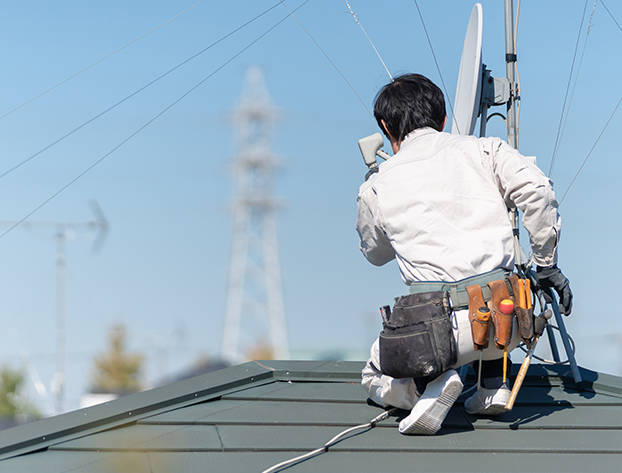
(487, 290)
(417, 340)
(457, 290)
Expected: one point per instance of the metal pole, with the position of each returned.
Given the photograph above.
(60, 318)
(510, 67)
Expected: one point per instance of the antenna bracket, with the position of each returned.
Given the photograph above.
(495, 90)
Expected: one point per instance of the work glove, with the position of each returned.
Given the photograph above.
(552, 278)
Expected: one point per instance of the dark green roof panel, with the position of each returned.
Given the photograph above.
(252, 416)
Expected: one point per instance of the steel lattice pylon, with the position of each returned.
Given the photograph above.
(254, 290)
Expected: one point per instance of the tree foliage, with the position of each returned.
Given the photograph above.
(116, 370)
(12, 403)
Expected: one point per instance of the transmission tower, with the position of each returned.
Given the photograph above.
(254, 314)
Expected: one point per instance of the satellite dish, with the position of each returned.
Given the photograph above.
(468, 92)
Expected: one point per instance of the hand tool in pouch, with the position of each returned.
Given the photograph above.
(501, 321)
(479, 315)
(523, 308)
(539, 325)
(506, 306)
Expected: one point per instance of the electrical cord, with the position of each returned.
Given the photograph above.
(369, 425)
(551, 362)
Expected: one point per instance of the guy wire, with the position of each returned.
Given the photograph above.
(326, 55)
(102, 59)
(437, 66)
(355, 16)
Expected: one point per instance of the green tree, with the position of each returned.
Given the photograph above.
(117, 371)
(12, 403)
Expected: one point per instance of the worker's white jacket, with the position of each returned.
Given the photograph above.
(440, 207)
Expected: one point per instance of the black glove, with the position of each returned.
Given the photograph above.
(553, 278)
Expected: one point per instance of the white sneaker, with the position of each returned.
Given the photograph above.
(432, 408)
(488, 402)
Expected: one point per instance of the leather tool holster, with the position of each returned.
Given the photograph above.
(524, 316)
(479, 329)
(501, 321)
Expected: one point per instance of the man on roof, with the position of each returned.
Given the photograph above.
(440, 207)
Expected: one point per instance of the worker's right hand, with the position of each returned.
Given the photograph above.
(552, 278)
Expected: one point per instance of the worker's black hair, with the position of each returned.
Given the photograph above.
(411, 101)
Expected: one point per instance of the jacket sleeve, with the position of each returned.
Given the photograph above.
(374, 243)
(525, 186)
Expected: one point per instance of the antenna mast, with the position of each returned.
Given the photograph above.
(64, 231)
(510, 72)
(254, 286)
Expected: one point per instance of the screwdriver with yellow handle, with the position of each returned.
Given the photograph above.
(506, 306)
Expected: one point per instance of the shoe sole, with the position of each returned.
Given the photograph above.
(431, 420)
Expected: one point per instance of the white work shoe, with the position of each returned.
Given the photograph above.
(432, 408)
(488, 402)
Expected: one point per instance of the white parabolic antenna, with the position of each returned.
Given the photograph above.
(468, 91)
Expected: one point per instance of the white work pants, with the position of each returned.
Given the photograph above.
(387, 391)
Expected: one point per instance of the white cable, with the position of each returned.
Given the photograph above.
(370, 41)
(371, 424)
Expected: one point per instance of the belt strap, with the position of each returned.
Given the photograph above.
(457, 289)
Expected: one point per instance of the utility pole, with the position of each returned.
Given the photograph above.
(62, 232)
(254, 286)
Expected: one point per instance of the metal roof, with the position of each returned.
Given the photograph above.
(252, 416)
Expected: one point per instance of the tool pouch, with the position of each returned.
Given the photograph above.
(524, 317)
(479, 329)
(418, 341)
(501, 321)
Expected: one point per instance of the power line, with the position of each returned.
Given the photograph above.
(589, 154)
(436, 62)
(326, 55)
(611, 15)
(356, 17)
(149, 122)
(561, 118)
(136, 92)
(102, 59)
(576, 77)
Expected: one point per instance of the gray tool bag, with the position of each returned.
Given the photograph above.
(417, 340)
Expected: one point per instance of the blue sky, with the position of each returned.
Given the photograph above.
(162, 270)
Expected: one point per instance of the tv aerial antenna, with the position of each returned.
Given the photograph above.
(476, 92)
(64, 231)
